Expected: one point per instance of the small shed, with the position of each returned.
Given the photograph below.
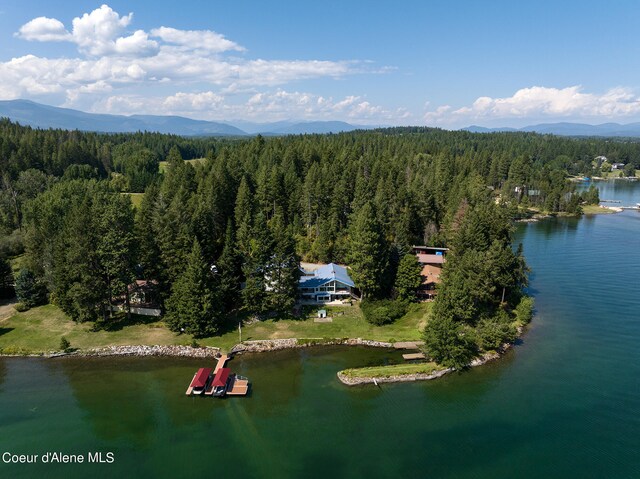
(322, 313)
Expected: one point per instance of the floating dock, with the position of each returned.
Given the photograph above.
(237, 385)
(412, 356)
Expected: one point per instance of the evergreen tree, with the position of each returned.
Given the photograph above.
(116, 244)
(6, 279)
(29, 291)
(230, 269)
(408, 278)
(255, 267)
(244, 213)
(367, 251)
(195, 305)
(448, 343)
(282, 269)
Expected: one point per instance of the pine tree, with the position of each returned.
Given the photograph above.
(116, 244)
(29, 291)
(367, 251)
(6, 279)
(230, 270)
(408, 278)
(282, 268)
(254, 268)
(244, 212)
(448, 343)
(149, 252)
(195, 306)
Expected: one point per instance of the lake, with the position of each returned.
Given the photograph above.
(565, 402)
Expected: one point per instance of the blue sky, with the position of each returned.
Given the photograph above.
(450, 64)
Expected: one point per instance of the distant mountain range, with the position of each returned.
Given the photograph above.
(569, 129)
(27, 112)
(34, 114)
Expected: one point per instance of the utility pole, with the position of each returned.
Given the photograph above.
(240, 330)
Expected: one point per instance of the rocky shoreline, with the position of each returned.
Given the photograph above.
(266, 345)
(179, 351)
(255, 346)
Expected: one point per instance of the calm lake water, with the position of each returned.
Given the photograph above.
(565, 403)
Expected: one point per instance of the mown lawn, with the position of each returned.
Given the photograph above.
(392, 370)
(40, 330)
(596, 210)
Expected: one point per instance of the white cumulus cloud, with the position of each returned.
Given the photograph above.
(541, 103)
(167, 70)
(43, 29)
(196, 39)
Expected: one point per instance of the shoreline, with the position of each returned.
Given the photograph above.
(254, 346)
(265, 346)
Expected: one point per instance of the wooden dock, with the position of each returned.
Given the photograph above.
(412, 356)
(240, 387)
(222, 360)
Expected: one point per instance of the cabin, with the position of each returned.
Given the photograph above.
(325, 284)
(617, 166)
(143, 298)
(431, 260)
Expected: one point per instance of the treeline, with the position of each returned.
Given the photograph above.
(248, 212)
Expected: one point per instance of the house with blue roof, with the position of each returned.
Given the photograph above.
(330, 282)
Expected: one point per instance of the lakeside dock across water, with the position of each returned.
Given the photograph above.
(218, 382)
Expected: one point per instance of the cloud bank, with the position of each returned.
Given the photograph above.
(541, 104)
(124, 70)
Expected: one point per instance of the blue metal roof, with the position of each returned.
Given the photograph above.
(326, 273)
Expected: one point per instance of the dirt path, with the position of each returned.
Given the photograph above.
(6, 309)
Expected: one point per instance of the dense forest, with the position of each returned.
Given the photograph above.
(225, 233)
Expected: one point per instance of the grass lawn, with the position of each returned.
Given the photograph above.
(348, 322)
(596, 210)
(40, 330)
(392, 370)
(615, 174)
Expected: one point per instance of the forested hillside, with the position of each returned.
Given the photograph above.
(254, 207)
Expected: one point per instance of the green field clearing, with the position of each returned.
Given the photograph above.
(163, 164)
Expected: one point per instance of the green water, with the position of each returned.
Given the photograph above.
(565, 403)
